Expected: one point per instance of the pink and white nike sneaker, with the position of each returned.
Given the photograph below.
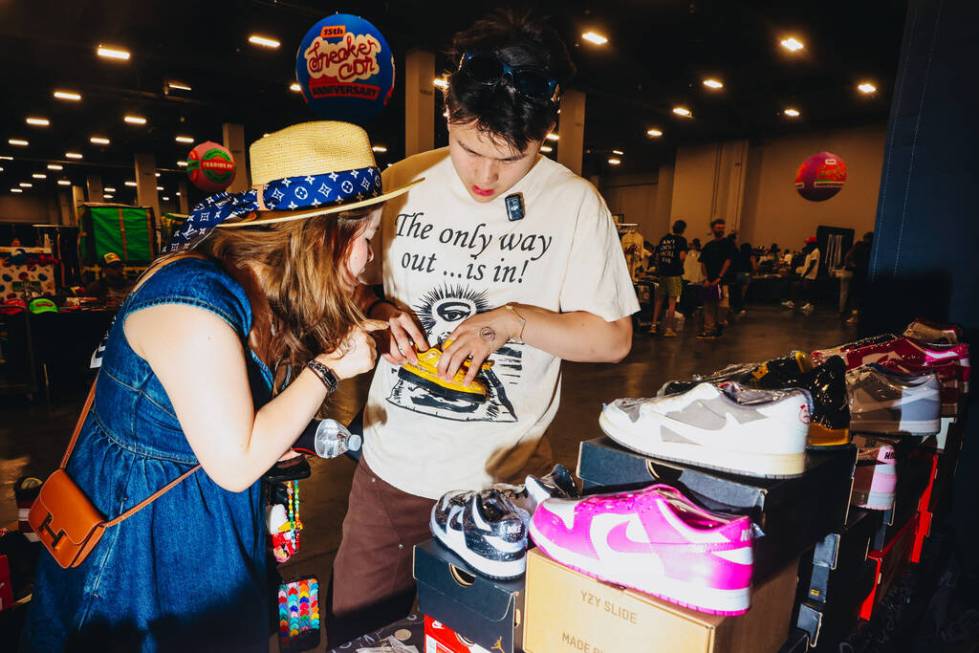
(875, 479)
(655, 541)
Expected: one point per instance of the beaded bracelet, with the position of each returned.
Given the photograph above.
(325, 375)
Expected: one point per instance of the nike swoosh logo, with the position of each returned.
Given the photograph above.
(618, 540)
(696, 433)
(942, 355)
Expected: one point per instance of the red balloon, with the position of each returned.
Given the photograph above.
(211, 167)
(820, 177)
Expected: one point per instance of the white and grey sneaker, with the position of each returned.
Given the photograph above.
(888, 402)
(751, 432)
(486, 529)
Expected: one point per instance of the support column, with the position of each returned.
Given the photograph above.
(183, 200)
(234, 140)
(93, 184)
(77, 199)
(146, 194)
(572, 130)
(419, 102)
(65, 213)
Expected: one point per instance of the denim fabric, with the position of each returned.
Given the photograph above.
(189, 571)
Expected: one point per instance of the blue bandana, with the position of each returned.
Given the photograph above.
(289, 194)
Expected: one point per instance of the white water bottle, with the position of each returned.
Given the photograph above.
(333, 439)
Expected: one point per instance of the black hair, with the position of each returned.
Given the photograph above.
(696, 243)
(868, 237)
(716, 221)
(518, 38)
(679, 226)
(746, 248)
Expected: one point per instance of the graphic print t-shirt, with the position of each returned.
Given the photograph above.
(449, 257)
(668, 255)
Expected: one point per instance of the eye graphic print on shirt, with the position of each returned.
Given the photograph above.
(440, 311)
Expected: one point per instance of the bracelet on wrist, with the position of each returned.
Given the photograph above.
(326, 376)
(523, 322)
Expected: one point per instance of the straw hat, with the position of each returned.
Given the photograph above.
(307, 170)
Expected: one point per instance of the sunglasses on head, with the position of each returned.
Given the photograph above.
(487, 68)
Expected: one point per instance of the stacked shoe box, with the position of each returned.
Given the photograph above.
(835, 579)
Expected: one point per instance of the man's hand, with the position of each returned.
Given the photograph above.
(475, 339)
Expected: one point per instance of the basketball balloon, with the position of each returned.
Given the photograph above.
(211, 167)
(345, 69)
(820, 177)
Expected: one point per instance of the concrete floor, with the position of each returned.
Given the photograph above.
(33, 435)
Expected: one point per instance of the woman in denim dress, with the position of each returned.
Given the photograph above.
(221, 356)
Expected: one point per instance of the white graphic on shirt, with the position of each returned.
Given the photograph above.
(440, 311)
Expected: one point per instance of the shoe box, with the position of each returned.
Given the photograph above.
(832, 571)
(568, 612)
(826, 624)
(793, 513)
(440, 638)
(402, 636)
(914, 457)
(482, 610)
(797, 642)
(889, 562)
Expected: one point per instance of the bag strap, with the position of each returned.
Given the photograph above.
(78, 425)
(153, 497)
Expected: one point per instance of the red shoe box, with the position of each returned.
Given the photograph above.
(890, 561)
(439, 638)
(6, 585)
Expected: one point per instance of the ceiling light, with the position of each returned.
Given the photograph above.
(295, 87)
(683, 112)
(792, 112)
(614, 161)
(441, 82)
(178, 86)
(6, 158)
(55, 166)
(178, 193)
(654, 133)
(157, 174)
(181, 164)
(380, 149)
(26, 184)
(595, 37)
(108, 52)
(19, 142)
(69, 96)
(263, 41)
(108, 197)
(867, 88)
(134, 120)
(159, 187)
(109, 189)
(16, 190)
(39, 175)
(553, 137)
(35, 121)
(792, 44)
(546, 149)
(73, 155)
(131, 184)
(714, 84)
(1, 169)
(184, 139)
(166, 198)
(64, 182)
(98, 140)
(619, 152)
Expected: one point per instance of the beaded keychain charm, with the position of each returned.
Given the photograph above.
(285, 540)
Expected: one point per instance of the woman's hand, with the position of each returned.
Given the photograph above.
(357, 352)
(405, 338)
(477, 338)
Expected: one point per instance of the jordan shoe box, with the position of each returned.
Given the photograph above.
(797, 642)
(826, 624)
(794, 513)
(568, 612)
(481, 610)
(831, 572)
(890, 561)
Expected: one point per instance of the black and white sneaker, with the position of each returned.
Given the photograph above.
(486, 529)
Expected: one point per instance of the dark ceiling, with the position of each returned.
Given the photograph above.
(658, 53)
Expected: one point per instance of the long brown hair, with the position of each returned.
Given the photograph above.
(296, 277)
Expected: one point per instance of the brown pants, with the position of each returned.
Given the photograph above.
(372, 583)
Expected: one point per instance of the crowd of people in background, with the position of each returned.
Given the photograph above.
(715, 277)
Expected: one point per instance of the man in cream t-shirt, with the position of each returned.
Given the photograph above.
(521, 288)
